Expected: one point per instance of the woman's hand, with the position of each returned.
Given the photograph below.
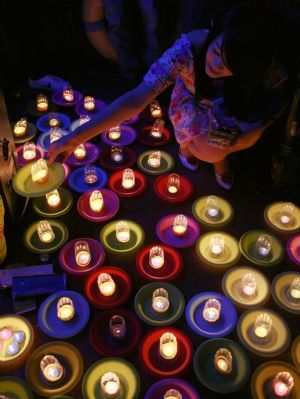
(61, 148)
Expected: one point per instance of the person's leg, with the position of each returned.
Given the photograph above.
(223, 174)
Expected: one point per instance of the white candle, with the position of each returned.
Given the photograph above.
(116, 153)
(168, 346)
(82, 253)
(223, 361)
(114, 133)
(180, 225)
(65, 309)
(110, 385)
(248, 284)
(45, 232)
(173, 184)
(212, 310)
(286, 213)
(80, 152)
(96, 201)
(157, 128)
(172, 394)
(39, 171)
(89, 103)
(128, 179)
(154, 159)
(160, 300)
(212, 208)
(156, 257)
(42, 103)
(53, 199)
(20, 127)
(29, 151)
(122, 231)
(294, 288)
(68, 94)
(90, 174)
(262, 326)
(283, 384)
(117, 327)
(264, 245)
(106, 284)
(54, 120)
(155, 109)
(51, 368)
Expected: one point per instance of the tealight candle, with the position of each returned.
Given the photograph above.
(82, 253)
(180, 225)
(39, 171)
(117, 327)
(55, 134)
(160, 300)
(96, 201)
(110, 385)
(154, 159)
(212, 209)
(168, 346)
(283, 383)
(264, 245)
(13, 348)
(122, 231)
(172, 394)
(80, 152)
(54, 120)
(114, 133)
(6, 333)
(19, 336)
(294, 289)
(68, 94)
(157, 128)
(216, 246)
(156, 257)
(286, 214)
(128, 179)
(212, 310)
(262, 326)
(155, 109)
(20, 127)
(51, 368)
(116, 153)
(53, 199)
(223, 361)
(248, 285)
(45, 232)
(106, 284)
(90, 174)
(42, 103)
(173, 184)
(89, 103)
(29, 151)
(65, 309)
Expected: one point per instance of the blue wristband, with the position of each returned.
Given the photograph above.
(94, 26)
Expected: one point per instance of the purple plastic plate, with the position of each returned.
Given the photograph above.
(80, 110)
(58, 98)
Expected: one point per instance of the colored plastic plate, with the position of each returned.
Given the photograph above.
(34, 244)
(293, 248)
(209, 376)
(67, 256)
(77, 183)
(128, 136)
(115, 184)
(146, 138)
(278, 340)
(23, 184)
(296, 352)
(280, 292)
(128, 376)
(80, 110)
(22, 161)
(58, 99)
(41, 207)
(224, 216)
(129, 158)
(70, 359)
(110, 207)
(230, 255)
(29, 135)
(166, 163)
(143, 304)
(56, 328)
(164, 231)
(43, 122)
(220, 328)
(43, 140)
(158, 389)
(15, 388)
(248, 248)
(185, 190)
(92, 154)
(272, 217)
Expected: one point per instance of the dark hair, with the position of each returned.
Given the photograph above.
(247, 47)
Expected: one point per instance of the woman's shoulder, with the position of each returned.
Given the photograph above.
(198, 37)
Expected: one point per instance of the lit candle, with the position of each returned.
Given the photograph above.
(212, 310)
(6, 333)
(82, 253)
(212, 208)
(160, 300)
(29, 151)
(55, 134)
(89, 103)
(262, 326)
(157, 128)
(286, 214)
(106, 284)
(154, 159)
(65, 309)
(80, 152)
(264, 245)
(216, 246)
(20, 127)
(173, 184)
(51, 368)
(42, 103)
(156, 257)
(223, 361)
(53, 199)
(39, 171)
(90, 174)
(180, 225)
(122, 231)
(294, 289)
(114, 133)
(68, 94)
(54, 120)
(248, 285)
(283, 384)
(155, 109)
(96, 201)
(128, 179)
(45, 232)
(168, 346)
(172, 394)
(110, 385)
(19, 336)
(116, 153)
(12, 349)
(117, 327)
